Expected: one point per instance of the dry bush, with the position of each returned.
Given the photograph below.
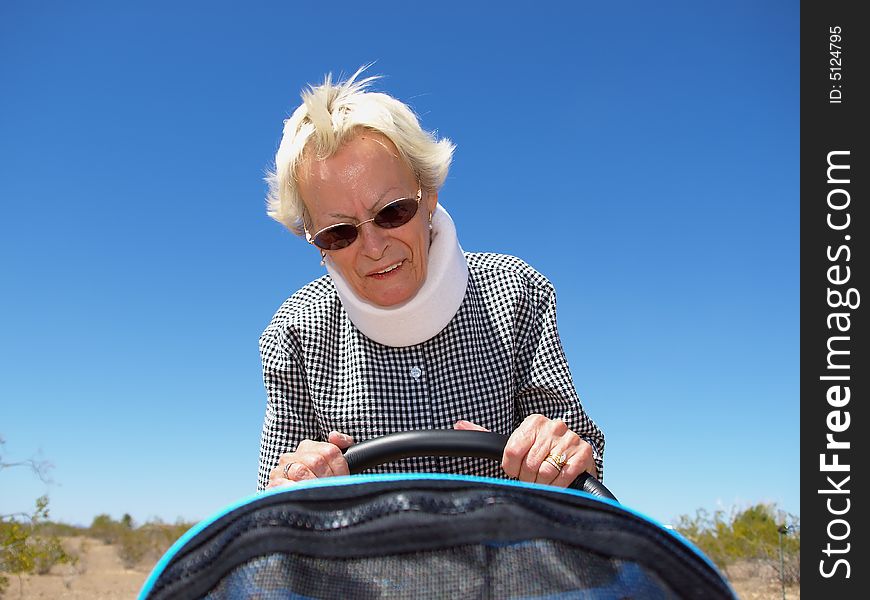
(25, 548)
(61, 529)
(106, 529)
(749, 542)
(137, 545)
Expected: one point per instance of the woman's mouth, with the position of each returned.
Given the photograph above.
(387, 271)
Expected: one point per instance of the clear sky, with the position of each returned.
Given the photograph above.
(642, 155)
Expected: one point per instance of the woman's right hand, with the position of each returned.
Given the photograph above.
(312, 460)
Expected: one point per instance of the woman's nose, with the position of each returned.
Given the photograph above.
(373, 240)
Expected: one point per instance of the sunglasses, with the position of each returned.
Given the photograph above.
(341, 235)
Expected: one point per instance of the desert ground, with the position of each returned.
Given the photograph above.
(100, 575)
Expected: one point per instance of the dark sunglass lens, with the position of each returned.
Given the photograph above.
(335, 238)
(396, 214)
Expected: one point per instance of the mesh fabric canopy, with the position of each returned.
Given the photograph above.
(431, 536)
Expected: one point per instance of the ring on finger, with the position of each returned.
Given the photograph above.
(287, 469)
(557, 460)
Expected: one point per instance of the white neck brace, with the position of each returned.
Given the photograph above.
(432, 307)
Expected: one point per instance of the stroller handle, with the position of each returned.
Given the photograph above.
(446, 442)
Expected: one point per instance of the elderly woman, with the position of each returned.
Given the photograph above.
(406, 331)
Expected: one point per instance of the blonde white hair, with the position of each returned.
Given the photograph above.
(332, 114)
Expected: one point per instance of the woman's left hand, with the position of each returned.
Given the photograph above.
(538, 446)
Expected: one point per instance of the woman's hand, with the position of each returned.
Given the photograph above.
(536, 448)
(312, 460)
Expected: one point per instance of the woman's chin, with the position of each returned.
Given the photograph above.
(388, 295)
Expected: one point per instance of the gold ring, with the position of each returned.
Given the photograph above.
(286, 469)
(557, 460)
(550, 460)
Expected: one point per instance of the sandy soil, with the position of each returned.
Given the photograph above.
(100, 575)
(755, 590)
(751, 582)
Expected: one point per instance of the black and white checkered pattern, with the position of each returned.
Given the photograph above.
(499, 360)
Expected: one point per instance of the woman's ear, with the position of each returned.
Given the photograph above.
(431, 202)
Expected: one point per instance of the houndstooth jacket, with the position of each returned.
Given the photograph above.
(497, 361)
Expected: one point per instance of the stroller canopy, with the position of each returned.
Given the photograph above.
(431, 536)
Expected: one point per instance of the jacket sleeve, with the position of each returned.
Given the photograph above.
(290, 417)
(544, 382)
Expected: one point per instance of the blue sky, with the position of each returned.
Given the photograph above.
(643, 156)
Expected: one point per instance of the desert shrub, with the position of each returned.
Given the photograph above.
(51, 552)
(750, 537)
(106, 529)
(24, 548)
(134, 548)
(61, 529)
(137, 545)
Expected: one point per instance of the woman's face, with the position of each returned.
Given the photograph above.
(385, 267)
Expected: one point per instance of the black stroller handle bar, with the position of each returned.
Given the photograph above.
(446, 442)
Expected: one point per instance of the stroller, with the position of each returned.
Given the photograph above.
(423, 535)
